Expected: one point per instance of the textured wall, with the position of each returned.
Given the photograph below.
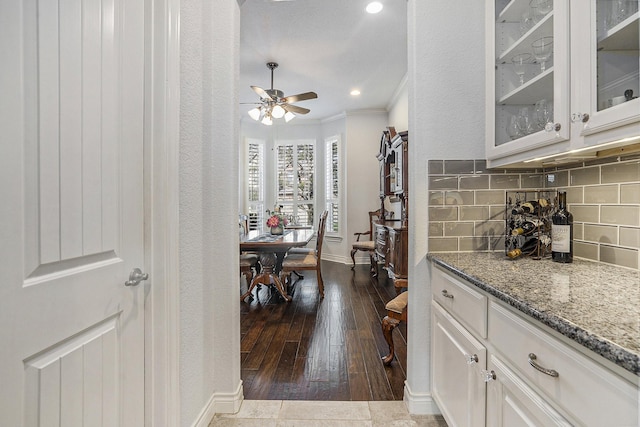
(208, 201)
(446, 120)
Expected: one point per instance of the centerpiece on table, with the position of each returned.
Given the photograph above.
(276, 223)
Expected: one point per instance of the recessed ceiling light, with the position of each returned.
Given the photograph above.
(374, 7)
(355, 92)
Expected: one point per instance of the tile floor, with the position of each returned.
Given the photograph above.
(285, 413)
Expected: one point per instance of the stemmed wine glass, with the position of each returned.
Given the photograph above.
(519, 63)
(544, 113)
(512, 128)
(523, 122)
(540, 8)
(542, 49)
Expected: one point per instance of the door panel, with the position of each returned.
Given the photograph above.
(72, 193)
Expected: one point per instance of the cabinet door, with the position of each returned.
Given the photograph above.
(457, 361)
(535, 113)
(605, 45)
(512, 403)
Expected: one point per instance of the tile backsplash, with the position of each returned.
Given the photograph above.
(467, 202)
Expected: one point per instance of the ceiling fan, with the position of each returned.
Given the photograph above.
(274, 105)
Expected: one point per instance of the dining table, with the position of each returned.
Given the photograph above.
(271, 250)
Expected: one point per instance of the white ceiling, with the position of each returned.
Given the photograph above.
(327, 46)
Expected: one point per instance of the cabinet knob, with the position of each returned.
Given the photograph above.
(471, 358)
(552, 127)
(580, 117)
(488, 376)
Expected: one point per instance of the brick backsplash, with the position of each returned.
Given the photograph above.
(467, 204)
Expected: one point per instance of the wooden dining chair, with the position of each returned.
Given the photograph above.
(249, 265)
(368, 245)
(311, 261)
(396, 313)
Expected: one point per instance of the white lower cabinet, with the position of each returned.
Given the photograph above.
(458, 360)
(519, 373)
(512, 403)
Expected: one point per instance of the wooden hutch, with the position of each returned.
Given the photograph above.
(391, 235)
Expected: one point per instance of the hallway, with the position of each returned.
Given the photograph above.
(328, 350)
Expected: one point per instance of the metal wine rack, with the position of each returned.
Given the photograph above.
(517, 216)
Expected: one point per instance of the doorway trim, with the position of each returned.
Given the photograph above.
(161, 166)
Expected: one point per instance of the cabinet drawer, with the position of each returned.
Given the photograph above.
(511, 403)
(467, 305)
(583, 388)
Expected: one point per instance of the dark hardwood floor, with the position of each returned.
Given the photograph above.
(329, 349)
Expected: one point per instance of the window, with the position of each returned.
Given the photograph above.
(332, 183)
(295, 163)
(255, 184)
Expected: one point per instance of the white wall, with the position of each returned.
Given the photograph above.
(363, 132)
(399, 107)
(209, 286)
(446, 121)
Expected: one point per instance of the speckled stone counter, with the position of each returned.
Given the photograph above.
(594, 304)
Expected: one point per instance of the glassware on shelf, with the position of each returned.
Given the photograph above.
(616, 11)
(512, 128)
(542, 50)
(520, 63)
(543, 113)
(540, 8)
(526, 21)
(523, 122)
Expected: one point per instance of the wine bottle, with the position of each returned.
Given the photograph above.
(530, 207)
(526, 227)
(530, 247)
(562, 231)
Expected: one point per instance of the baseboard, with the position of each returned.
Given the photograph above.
(346, 259)
(220, 403)
(420, 403)
(336, 258)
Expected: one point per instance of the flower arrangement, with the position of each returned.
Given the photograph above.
(277, 220)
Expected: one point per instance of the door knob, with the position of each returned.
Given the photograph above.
(135, 277)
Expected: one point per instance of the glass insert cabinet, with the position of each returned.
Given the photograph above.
(559, 74)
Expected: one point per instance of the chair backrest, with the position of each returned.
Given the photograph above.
(374, 216)
(322, 225)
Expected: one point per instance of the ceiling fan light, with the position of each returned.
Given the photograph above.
(266, 120)
(254, 113)
(289, 116)
(278, 112)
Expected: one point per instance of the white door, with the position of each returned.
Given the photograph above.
(71, 212)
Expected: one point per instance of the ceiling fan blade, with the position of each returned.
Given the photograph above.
(295, 109)
(261, 92)
(300, 97)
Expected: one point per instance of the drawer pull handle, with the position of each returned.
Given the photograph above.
(550, 372)
(471, 358)
(446, 294)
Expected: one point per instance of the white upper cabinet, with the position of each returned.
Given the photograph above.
(607, 65)
(577, 93)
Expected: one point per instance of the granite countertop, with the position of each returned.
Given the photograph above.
(597, 305)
